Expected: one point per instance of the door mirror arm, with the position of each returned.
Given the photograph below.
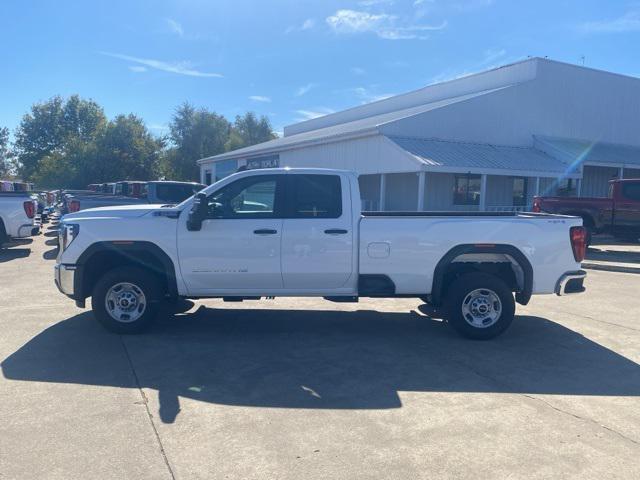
(198, 213)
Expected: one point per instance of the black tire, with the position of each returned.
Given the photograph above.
(144, 282)
(460, 295)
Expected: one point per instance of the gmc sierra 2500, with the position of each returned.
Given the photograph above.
(301, 232)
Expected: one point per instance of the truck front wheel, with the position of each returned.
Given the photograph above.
(125, 300)
(479, 306)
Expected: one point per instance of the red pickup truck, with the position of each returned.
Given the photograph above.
(618, 214)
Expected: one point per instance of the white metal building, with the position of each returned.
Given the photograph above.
(489, 141)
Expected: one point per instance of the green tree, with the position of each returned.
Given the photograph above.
(5, 152)
(54, 126)
(249, 130)
(195, 134)
(125, 151)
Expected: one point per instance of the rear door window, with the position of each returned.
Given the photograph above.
(631, 191)
(315, 196)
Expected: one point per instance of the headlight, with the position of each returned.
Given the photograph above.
(68, 233)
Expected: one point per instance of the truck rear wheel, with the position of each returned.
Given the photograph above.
(479, 306)
(125, 300)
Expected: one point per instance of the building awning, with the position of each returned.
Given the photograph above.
(580, 152)
(462, 157)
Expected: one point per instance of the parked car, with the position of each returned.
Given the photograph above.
(160, 192)
(281, 232)
(618, 214)
(17, 215)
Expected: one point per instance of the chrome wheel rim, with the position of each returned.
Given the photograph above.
(125, 302)
(481, 308)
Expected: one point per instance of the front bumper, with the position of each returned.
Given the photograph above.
(65, 278)
(571, 283)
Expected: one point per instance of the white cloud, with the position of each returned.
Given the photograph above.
(180, 68)
(366, 95)
(137, 68)
(308, 24)
(493, 54)
(304, 89)
(358, 71)
(629, 22)
(175, 27)
(315, 113)
(260, 98)
(386, 26)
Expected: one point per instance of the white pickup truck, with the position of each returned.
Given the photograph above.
(301, 233)
(17, 215)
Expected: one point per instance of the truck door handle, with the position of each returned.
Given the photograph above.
(265, 231)
(336, 231)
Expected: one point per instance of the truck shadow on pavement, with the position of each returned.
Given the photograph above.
(319, 359)
(6, 255)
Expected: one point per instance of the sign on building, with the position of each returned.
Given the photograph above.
(270, 161)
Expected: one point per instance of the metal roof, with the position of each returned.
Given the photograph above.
(483, 158)
(584, 151)
(362, 127)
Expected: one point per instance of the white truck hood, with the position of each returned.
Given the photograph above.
(124, 211)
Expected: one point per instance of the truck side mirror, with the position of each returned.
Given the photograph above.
(198, 213)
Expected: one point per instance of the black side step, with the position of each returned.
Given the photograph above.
(239, 299)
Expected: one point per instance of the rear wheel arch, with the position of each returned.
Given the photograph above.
(447, 269)
(102, 257)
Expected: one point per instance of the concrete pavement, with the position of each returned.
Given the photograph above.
(300, 388)
(611, 255)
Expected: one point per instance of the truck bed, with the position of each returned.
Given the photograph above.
(406, 246)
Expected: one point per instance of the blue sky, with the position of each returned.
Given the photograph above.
(287, 59)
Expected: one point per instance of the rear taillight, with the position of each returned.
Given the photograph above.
(578, 242)
(74, 206)
(536, 206)
(30, 209)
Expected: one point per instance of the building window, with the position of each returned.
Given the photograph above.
(566, 187)
(466, 190)
(207, 177)
(225, 168)
(519, 191)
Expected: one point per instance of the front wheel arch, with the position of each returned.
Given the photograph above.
(101, 257)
